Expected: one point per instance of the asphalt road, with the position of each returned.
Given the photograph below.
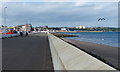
(27, 53)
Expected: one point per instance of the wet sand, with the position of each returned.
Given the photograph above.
(107, 54)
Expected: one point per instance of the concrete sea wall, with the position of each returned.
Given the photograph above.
(68, 57)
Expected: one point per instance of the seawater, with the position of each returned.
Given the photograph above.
(106, 38)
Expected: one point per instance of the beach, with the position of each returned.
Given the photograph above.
(107, 54)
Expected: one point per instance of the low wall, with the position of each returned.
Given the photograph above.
(57, 63)
(68, 57)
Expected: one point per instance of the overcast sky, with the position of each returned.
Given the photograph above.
(62, 13)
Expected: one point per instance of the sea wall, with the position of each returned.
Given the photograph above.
(68, 57)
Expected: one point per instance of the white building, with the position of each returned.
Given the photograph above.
(64, 29)
(82, 27)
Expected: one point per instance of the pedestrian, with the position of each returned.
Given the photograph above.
(21, 34)
(26, 34)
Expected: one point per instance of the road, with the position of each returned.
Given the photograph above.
(27, 53)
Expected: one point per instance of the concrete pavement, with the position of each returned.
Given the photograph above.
(27, 53)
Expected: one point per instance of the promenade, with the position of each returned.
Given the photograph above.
(27, 53)
(40, 51)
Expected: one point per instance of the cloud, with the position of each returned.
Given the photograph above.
(59, 0)
(62, 13)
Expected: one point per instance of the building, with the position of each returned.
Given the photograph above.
(81, 27)
(63, 29)
(26, 27)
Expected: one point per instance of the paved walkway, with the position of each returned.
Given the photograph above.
(27, 53)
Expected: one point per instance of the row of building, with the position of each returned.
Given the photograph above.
(26, 27)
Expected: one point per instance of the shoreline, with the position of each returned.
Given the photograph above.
(105, 53)
(60, 35)
(88, 31)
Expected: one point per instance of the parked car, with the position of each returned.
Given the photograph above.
(7, 34)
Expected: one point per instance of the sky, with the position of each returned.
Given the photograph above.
(61, 13)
